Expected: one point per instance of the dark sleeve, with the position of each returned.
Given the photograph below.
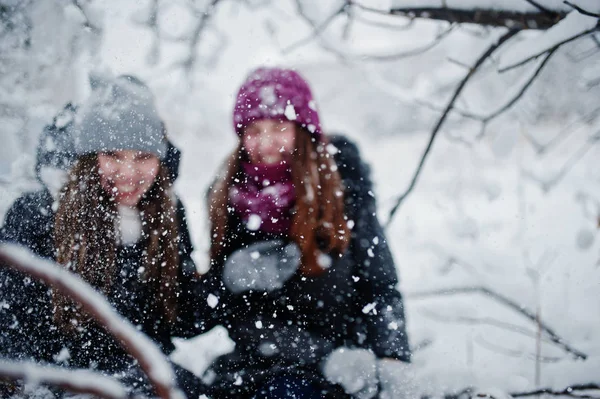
(195, 315)
(25, 304)
(380, 303)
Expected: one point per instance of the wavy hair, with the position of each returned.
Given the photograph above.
(86, 239)
(319, 223)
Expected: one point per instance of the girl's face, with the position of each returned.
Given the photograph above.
(127, 174)
(269, 141)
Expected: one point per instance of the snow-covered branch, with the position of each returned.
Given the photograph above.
(574, 26)
(490, 50)
(514, 14)
(570, 391)
(151, 359)
(77, 381)
(552, 335)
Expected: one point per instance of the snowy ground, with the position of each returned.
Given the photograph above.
(481, 215)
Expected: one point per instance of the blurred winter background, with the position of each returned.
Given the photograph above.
(510, 207)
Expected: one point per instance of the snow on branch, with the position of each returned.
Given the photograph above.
(574, 26)
(151, 359)
(77, 381)
(570, 391)
(490, 50)
(552, 335)
(514, 14)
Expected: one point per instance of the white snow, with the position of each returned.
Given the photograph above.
(485, 211)
(54, 179)
(129, 224)
(253, 223)
(212, 301)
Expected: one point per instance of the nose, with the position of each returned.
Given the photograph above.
(126, 170)
(265, 141)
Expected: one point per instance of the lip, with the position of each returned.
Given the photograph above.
(126, 192)
(271, 159)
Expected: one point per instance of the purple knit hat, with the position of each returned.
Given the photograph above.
(275, 93)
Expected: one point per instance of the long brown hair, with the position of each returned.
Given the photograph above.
(319, 223)
(86, 239)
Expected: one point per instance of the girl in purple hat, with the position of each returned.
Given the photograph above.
(300, 264)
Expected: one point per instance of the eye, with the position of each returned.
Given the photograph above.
(143, 156)
(109, 154)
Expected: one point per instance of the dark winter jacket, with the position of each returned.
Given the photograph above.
(27, 308)
(354, 303)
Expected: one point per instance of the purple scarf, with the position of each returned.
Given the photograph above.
(264, 198)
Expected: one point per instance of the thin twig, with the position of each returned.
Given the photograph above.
(317, 29)
(538, 54)
(200, 26)
(581, 10)
(510, 33)
(552, 335)
(572, 161)
(567, 131)
(525, 87)
(481, 321)
(409, 53)
(539, 6)
(513, 352)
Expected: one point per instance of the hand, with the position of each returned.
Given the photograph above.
(355, 370)
(262, 266)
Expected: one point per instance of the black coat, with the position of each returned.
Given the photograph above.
(26, 316)
(354, 303)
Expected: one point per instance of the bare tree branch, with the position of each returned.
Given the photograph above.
(565, 132)
(513, 352)
(152, 361)
(568, 391)
(409, 53)
(189, 63)
(538, 54)
(499, 18)
(317, 29)
(77, 381)
(539, 6)
(526, 86)
(548, 184)
(490, 50)
(552, 335)
(489, 321)
(581, 10)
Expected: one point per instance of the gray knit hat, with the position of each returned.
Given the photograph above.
(119, 115)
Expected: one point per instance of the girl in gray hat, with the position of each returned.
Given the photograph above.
(120, 227)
